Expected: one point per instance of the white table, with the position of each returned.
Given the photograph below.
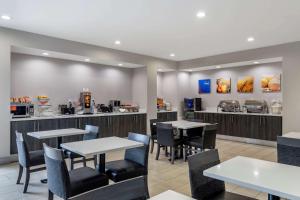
(184, 125)
(171, 195)
(100, 147)
(294, 135)
(278, 180)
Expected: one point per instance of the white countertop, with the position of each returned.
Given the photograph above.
(295, 135)
(171, 195)
(100, 146)
(77, 116)
(57, 133)
(183, 124)
(166, 111)
(212, 110)
(264, 176)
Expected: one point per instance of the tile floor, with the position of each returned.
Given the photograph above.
(162, 175)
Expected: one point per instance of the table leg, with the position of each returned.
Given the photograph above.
(181, 146)
(273, 197)
(101, 163)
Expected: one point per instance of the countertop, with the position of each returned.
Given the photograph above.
(166, 111)
(77, 116)
(238, 113)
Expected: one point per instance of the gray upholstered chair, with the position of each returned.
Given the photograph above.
(288, 151)
(93, 133)
(153, 133)
(205, 188)
(135, 163)
(166, 138)
(125, 190)
(205, 140)
(28, 160)
(66, 184)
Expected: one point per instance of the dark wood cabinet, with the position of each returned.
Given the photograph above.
(261, 127)
(167, 116)
(110, 125)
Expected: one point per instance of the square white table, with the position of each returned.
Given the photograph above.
(100, 147)
(184, 125)
(171, 195)
(278, 180)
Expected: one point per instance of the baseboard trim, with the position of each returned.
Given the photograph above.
(248, 140)
(8, 159)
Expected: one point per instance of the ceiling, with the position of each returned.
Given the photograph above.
(160, 27)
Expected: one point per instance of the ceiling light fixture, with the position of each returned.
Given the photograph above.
(120, 64)
(117, 42)
(218, 66)
(87, 60)
(5, 17)
(250, 39)
(172, 55)
(190, 70)
(159, 70)
(256, 62)
(201, 14)
(45, 54)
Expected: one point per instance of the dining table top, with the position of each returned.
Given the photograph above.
(56, 133)
(264, 176)
(100, 146)
(184, 124)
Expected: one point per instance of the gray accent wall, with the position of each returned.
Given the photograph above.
(62, 80)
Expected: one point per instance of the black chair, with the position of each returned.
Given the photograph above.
(28, 160)
(125, 190)
(288, 151)
(165, 138)
(205, 139)
(153, 130)
(66, 184)
(134, 164)
(93, 133)
(205, 188)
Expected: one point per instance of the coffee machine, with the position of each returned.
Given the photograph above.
(86, 102)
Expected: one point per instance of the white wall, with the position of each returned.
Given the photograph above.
(257, 71)
(139, 87)
(63, 79)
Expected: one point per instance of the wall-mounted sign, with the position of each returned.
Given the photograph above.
(204, 86)
(223, 85)
(245, 84)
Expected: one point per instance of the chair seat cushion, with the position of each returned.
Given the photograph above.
(36, 158)
(120, 170)
(229, 196)
(85, 179)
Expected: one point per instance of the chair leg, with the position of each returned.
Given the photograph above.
(158, 151)
(20, 174)
(146, 187)
(71, 163)
(50, 195)
(166, 151)
(152, 145)
(184, 152)
(95, 161)
(26, 179)
(84, 161)
(172, 155)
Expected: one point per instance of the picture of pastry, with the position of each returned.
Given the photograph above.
(271, 83)
(245, 85)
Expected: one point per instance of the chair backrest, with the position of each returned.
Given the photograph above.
(23, 154)
(93, 132)
(204, 187)
(57, 172)
(209, 136)
(165, 134)
(288, 151)
(153, 128)
(140, 154)
(126, 190)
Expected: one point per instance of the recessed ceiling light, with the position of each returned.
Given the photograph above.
(172, 55)
(87, 60)
(250, 39)
(120, 64)
(256, 62)
(159, 70)
(5, 17)
(201, 14)
(218, 66)
(190, 70)
(117, 42)
(45, 54)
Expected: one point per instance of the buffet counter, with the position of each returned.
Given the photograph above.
(237, 113)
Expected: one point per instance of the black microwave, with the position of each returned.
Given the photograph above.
(22, 110)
